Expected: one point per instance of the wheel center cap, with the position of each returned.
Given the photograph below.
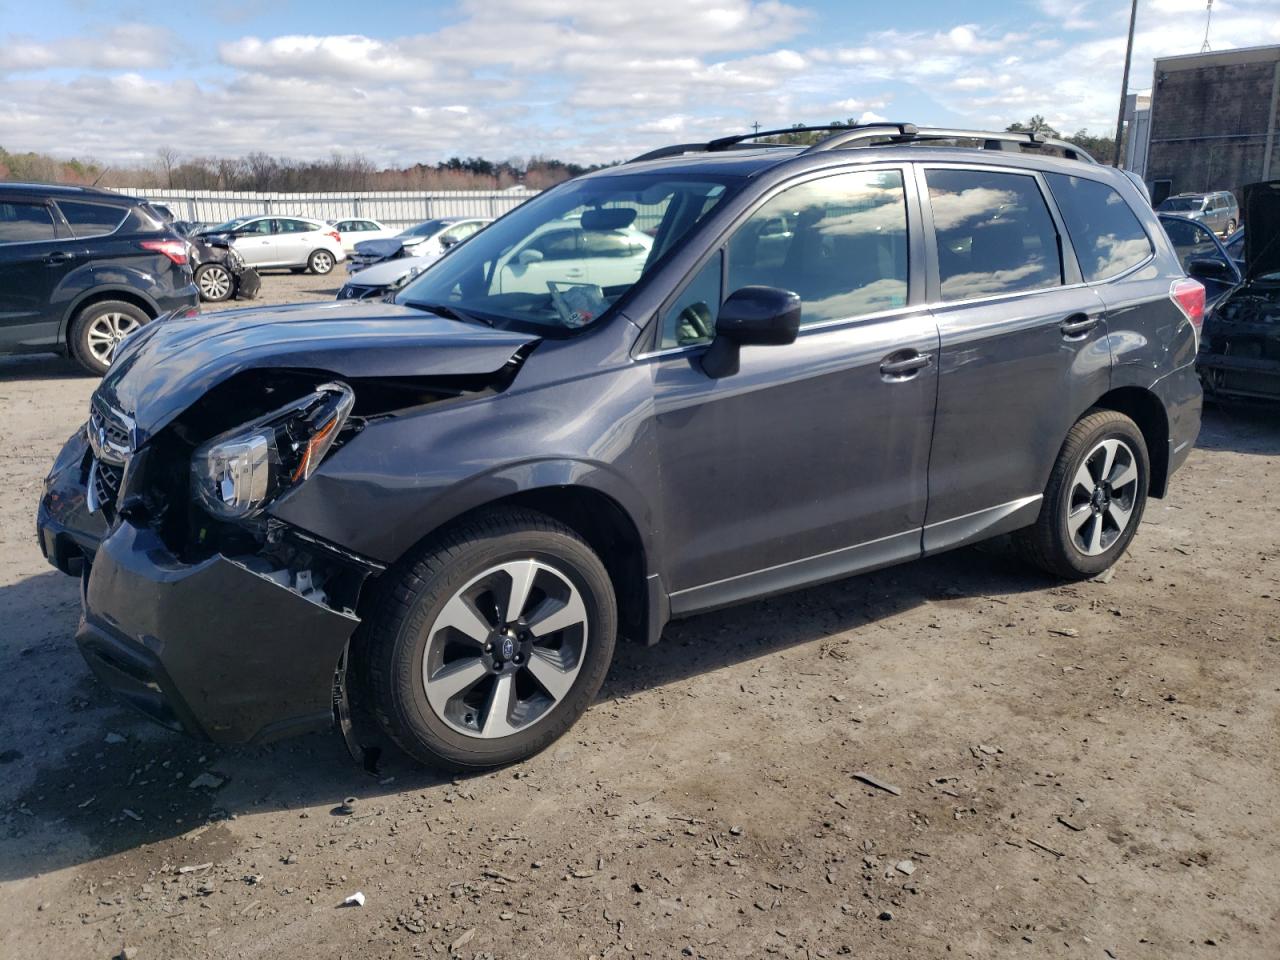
(507, 648)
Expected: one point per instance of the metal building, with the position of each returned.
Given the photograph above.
(1213, 121)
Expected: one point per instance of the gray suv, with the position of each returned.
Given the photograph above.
(1217, 211)
(448, 507)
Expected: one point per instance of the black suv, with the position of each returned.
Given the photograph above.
(829, 359)
(82, 268)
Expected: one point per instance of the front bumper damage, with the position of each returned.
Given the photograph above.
(221, 648)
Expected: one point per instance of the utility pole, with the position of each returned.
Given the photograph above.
(1124, 83)
(755, 127)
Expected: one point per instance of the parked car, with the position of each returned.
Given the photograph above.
(835, 358)
(1218, 211)
(299, 243)
(385, 278)
(429, 239)
(82, 268)
(1240, 351)
(220, 272)
(359, 228)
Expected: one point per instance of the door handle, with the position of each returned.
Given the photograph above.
(1077, 325)
(904, 364)
(57, 257)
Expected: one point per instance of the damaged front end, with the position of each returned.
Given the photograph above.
(200, 607)
(1240, 354)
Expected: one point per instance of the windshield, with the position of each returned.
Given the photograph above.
(561, 260)
(1181, 204)
(230, 225)
(425, 229)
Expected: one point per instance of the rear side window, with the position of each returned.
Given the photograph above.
(995, 234)
(295, 226)
(1107, 235)
(91, 219)
(25, 223)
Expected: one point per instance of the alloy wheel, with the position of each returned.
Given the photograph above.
(214, 282)
(1102, 497)
(321, 262)
(505, 649)
(106, 332)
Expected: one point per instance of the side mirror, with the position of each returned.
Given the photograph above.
(526, 257)
(1212, 268)
(753, 315)
(447, 242)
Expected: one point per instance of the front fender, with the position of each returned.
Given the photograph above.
(405, 476)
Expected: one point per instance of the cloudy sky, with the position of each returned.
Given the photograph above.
(581, 80)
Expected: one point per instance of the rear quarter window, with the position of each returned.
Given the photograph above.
(92, 219)
(1107, 235)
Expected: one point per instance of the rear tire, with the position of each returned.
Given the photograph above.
(98, 329)
(1231, 228)
(1094, 501)
(457, 680)
(320, 262)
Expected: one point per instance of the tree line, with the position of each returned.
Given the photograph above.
(262, 172)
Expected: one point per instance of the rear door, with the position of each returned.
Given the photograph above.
(1024, 347)
(295, 239)
(36, 252)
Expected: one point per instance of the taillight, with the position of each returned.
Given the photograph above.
(1188, 294)
(175, 250)
(336, 236)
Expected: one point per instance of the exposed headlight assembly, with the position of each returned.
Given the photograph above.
(239, 472)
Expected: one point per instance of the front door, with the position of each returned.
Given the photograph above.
(255, 241)
(811, 461)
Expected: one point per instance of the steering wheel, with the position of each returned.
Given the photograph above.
(695, 324)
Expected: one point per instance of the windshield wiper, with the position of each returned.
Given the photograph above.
(444, 310)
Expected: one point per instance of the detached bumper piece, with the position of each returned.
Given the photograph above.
(210, 648)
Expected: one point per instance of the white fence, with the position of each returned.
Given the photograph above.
(394, 208)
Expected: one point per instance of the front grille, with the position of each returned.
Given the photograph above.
(109, 435)
(106, 478)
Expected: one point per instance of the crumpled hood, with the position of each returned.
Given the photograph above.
(1262, 229)
(388, 272)
(388, 247)
(169, 364)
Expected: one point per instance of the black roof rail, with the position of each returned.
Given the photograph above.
(844, 135)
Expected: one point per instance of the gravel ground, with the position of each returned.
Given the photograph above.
(1081, 770)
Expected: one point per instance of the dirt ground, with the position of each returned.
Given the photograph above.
(1076, 771)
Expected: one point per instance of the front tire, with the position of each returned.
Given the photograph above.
(320, 262)
(214, 282)
(99, 328)
(488, 644)
(1094, 501)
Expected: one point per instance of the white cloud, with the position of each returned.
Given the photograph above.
(582, 80)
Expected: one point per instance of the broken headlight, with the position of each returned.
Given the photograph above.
(237, 473)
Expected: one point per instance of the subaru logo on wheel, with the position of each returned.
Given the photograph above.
(508, 648)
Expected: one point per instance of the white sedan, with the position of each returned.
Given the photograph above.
(361, 228)
(299, 243)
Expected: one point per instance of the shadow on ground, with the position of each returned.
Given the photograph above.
(101, 781)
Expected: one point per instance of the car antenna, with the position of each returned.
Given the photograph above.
(105, 171)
